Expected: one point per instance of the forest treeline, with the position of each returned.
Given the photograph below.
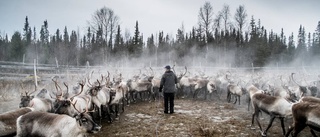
(219, 39)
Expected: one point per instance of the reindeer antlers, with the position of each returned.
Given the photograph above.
(65, 84)
(82, 85)
(293, 79)
(57, 86)
(85, 110)
(74, 106)
(152, 71)
(185, 67)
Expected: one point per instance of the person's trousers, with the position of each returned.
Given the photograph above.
(168, 99)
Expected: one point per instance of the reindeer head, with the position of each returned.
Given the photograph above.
(85, 120)
(181, 74)
(94, 89)
(25, 98)
(63, 106)
(59, 90)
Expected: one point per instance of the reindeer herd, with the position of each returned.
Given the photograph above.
(79, 107)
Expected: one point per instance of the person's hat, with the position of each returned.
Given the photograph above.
(167, 67)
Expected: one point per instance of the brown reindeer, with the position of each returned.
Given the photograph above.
(305, 113)
(8, 120)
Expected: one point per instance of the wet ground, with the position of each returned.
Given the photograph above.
(192, 118)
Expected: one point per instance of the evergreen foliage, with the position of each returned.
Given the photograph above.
(215, 40)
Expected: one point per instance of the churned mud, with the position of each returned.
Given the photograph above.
(192, 118)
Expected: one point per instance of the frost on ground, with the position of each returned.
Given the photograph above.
(191, 118)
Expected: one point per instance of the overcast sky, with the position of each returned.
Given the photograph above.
(154, 15)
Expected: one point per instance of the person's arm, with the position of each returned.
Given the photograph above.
(161, 83)
(175, 79)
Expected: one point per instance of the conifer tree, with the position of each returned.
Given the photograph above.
(137, 42)
(27, 33)
(316, 41)
(44, 39)
(17, 49)
(301, 38)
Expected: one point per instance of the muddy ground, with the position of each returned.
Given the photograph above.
(192, 118)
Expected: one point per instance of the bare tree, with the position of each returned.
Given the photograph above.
(113, 22)
(241, 18)
(106, 19)
(205, 17)
(217, 21)
(225, 14)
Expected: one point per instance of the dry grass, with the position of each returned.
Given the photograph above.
(193, 118)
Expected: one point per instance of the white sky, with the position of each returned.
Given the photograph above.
(153, 15)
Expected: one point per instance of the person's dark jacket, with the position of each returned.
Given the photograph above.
(168, 81)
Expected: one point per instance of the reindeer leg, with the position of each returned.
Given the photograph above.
(289, 131)
(272, 117)
(218, 94)
(239, 100)
(205, 94)
(312, 132)
(254, 114)
(132, 97)
(257, 120)
(122, 105)
(117, 109)
(298, 127)
(195, 94)
(282, 125)
(100, 116)
(249, 104)
(228, 96)
(135, 97)
(109, 113)
(252, 120)
(236, 99)
(189, 92)
(127, 98)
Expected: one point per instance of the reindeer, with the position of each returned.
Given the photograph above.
(155, 83)
(121, 90)
(101, 97)
(8, 120)
(252, 90)
(38, 103)
(140, 87)
(222, 81)
(212, 88)
(43, 93)
(305, 113)
(64, 105)
(273, 106)
(236, 90)
(200, 85)
(185, 83)
(310, 99)
(283, 91)
(25, 98)
(299, 90)
(48, 124)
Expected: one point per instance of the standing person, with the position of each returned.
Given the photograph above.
(168, 82)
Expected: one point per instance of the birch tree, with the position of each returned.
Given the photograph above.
(206, 18)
